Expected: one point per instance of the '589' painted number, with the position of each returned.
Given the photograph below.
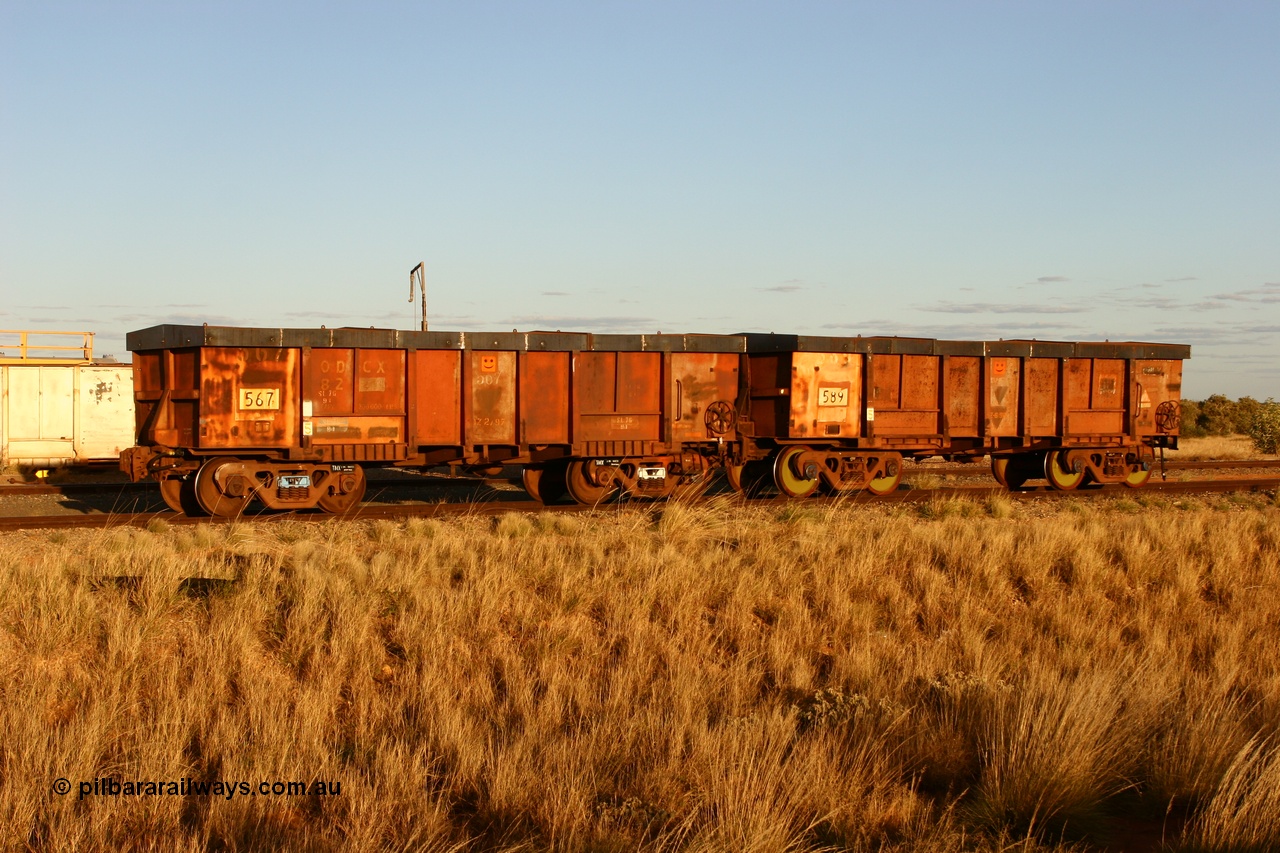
(259, 398)
(829, 395)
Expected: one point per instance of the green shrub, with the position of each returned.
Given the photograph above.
(1264, 427)
(1190, 427)
(1217, 416)
(1247, 409)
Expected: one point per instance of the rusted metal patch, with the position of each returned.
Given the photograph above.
(249, 397)
(701, 380)
(825, 394)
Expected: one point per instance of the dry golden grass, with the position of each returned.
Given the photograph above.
(957, 677)
(1216, 447)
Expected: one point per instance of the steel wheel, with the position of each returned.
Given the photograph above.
(1012, 472)
(1060, 474)
(210, 497)
(582, 489)
(750, 478)
(889, 482)
(1000, 469)
(180, 496)
(348, 500)
(1137, 479)
(546, 485)
(788, 482)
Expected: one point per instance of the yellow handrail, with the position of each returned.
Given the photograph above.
(45, 352)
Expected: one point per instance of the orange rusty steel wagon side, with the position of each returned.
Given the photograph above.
(844, 412)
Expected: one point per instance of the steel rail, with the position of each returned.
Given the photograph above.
(124, 487)
(982, 469)
(373, 512)
(976, 469)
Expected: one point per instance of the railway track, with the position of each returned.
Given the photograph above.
(126, 488)
(371, 512)
(980, 468)
(975, 470)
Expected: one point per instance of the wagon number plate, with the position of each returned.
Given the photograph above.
(294, 481)
(832, 396)
(260, 398)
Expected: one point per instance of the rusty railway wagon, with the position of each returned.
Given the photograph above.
(293, 417)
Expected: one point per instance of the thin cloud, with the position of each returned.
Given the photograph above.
(1160, 303)
(1224, 334)
(790, 286)
(1267, 294)
(555, 293)
(581, 323)
(316, 315)
(1184, 278)
(958, 331)
(998, 308)
(1052, 279)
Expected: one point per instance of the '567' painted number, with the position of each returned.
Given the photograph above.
(259, 398)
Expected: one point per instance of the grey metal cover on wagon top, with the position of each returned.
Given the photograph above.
(179, 337)
(169, 336)
(888, 345)
(172, 336)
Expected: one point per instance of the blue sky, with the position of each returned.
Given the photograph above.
(1067, 171)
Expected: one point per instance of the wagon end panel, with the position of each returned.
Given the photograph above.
(705, 389)
(249, 398)
(1158, 395)
(544, 398)
(166, 395)
(825, 395)
(438, 394)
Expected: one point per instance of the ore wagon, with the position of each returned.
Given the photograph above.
(844, 412)
(293, 417)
